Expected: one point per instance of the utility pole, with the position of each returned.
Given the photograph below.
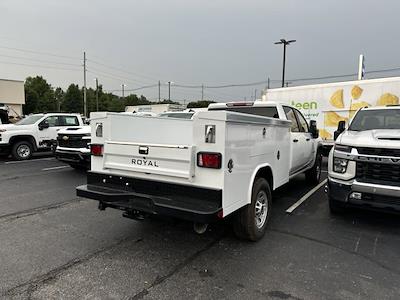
(84, 85)
(97, 94)
(255, 94)
(202, 92)
(268, 83)
(123, 91)
(159, 91)
(284, 43)
(169, 90)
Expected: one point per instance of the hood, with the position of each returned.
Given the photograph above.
(13, 127)
(76, 130)
(378, 138)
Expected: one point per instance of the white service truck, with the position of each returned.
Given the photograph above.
(333, 102)
(224, 161)
(364, 165)
(34, 133)
(73, 146)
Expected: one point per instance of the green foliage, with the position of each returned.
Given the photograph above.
(73, 100)
(39, 96)
(199, 104)
(42, 97)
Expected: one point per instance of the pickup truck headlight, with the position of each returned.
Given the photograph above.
(343, 148)
(340, 165)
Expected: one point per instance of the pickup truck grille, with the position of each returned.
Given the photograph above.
(386, 174)
(379, 151)
(72, 141)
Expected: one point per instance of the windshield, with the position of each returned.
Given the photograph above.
(376, 119)
(29, 120)
(177, 115)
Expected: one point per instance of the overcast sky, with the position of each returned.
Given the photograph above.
(192, 42)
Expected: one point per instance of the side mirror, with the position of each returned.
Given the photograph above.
(341, 127)
(44, 124)
(313, 129)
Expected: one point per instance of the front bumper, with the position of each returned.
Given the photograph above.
(4, 148)
(73, 156)
(153, 197)
(370, 196)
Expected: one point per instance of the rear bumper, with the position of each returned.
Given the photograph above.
(372, 196)
(153, 197)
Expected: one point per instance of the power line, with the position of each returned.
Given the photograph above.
(38, 66)
(40, 53)
(121, 70)
(113, 76)
(39, 60)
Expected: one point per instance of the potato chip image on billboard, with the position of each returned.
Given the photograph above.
(332, 119)
(324, 134)
(356, 92)
(356, 106)
(337, 99)
(388, 99)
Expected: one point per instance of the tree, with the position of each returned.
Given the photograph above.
(73, 100)
(58, 97)
(39, 96)
(199, 104)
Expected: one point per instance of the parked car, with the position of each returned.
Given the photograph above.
(364, 165)
(73, 147)
(222, 162)
(34, 133)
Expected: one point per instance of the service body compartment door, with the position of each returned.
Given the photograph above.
(167, 160)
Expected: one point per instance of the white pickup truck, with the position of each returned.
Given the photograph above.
(34, 133)
(221, 162)
(364, 165)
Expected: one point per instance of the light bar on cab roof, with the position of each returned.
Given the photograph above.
(243, 103)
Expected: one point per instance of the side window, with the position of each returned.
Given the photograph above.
(70, 121)
(290, 115)
(53, 121)
(302, 122)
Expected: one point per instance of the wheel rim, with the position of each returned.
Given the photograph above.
(23, 151)
(261, 209)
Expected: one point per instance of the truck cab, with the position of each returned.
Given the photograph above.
(303, 136)
(34, 133)
(364, 165)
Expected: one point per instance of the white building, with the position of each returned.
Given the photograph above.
(155, 108)
(12, 94)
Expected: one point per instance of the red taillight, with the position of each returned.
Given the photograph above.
(209, 160)
(96, 149)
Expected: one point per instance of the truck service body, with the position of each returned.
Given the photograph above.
(333, 102)
(364, 165)
(200, 169)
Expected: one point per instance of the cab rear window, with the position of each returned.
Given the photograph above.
(265, 111)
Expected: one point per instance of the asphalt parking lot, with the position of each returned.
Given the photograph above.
(54, 245)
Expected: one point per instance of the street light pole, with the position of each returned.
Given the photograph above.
(169, 90)
(284, 43)
(97, 94)
(123, 91)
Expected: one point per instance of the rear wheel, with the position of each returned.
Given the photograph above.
(313, 175)
(22, 150)
(251, 221)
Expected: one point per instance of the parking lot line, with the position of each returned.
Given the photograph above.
(55, 168)
(305, 197)
(26, 161)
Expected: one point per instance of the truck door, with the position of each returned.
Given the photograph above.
(48, 134)
(306, 137)
(297, 141)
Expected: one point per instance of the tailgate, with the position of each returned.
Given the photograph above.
(160, 159)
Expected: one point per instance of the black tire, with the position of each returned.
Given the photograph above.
(335, 208)
(22, 150)
(245, 224)
(313, 175)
